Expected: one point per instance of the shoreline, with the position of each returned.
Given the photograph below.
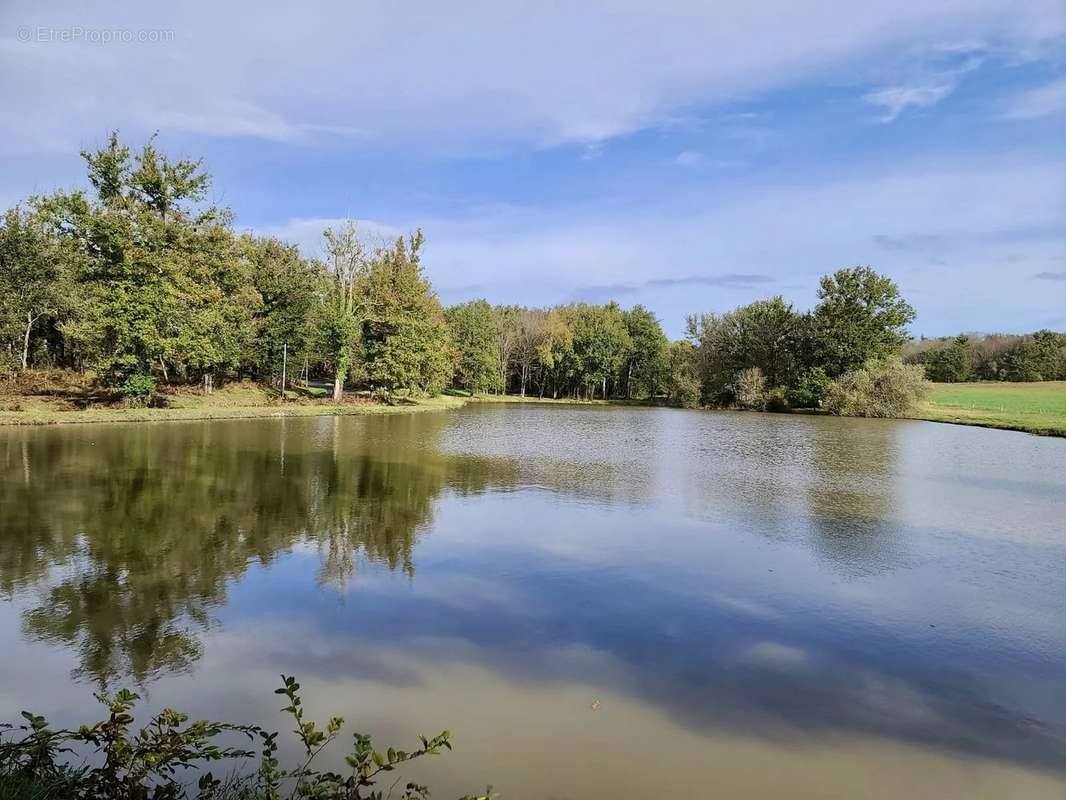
(202, 408)
(927, 412)
(89, 416)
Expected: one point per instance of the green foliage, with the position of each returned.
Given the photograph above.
(860, 316)
(138, 389)
(645, 359)
(34, 285)
(475, 328)
(951, 364)
(1039, 356)
(886, 388)
(158, 761)
(682, 381)
(286, 307)
(600, 344)
(768, 335)
(809, 388)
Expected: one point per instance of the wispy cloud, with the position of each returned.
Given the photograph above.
(509, 80)
(1050, 276)
(1043, 101)
(233, 118)
(926, 93)
(897, 99)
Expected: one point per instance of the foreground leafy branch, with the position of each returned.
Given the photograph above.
(159, 761)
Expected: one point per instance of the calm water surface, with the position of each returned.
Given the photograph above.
(598, 602)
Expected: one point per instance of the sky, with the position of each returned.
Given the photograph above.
(690, 156)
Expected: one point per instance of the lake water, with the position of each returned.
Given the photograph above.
(598, 602)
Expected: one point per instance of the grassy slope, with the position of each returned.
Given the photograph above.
(231, 402)
(1033, 407)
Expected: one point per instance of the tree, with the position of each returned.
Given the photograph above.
(32, 280)
(682, 379)
(601, 342)
(529, 334)
(950, 364)
(644, 361)
(506, 341)
(556, 351)
(284, 316)
(406, 343)
(346, 266)
(474, 329)
(860, 316)
(159, 282)
(1039, 357)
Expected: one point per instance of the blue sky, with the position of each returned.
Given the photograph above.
(690, 156)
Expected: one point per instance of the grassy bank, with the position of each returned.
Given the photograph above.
(235, 401)
(1038, 408)
(1032, 407)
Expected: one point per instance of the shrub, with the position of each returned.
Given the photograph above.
(155, 761)
(777, 399)
(749, 389)
(138, 389)
(809, 389)
(886, 388)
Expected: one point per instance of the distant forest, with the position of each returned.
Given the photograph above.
(140, 283)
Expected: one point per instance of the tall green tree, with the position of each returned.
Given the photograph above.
(159, 281)
(474, 329)
(644, 360)
(860, 316)
(33, 282)
(347, 267)
(406, 342)
(950, 364)
(601, 342)
(288, 288)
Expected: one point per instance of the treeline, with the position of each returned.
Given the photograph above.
(762, 355)
(140, 281)
(1039, 356)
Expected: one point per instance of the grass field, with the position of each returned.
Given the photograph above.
(1033, 407)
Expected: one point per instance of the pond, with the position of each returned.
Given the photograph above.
(598, 602)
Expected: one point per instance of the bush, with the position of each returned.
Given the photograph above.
(809, 389)
(777, 400)
(887, 388)
(155, 761)
(749, 389)
(138, 389)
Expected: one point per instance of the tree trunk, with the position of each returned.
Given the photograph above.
(338, 379)
(525, 372)
(604, 389)
(30, 319)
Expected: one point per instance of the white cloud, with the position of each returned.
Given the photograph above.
(222, 117)
(689, 158)
(459, 77)
(931, 90)
(931, 224)
(898, 99)
(1043, 101)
